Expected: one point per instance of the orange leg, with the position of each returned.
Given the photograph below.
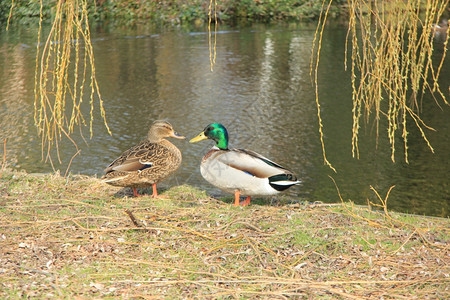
(236, 197)
(155, 192)
(135, 193)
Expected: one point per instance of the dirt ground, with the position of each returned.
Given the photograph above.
(76, 237)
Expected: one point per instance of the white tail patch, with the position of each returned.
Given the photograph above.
(285, 182)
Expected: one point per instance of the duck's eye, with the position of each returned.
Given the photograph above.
(210, 128)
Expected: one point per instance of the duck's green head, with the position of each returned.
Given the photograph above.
(216, 132)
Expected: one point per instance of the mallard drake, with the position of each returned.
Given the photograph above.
(240, 171)
(147, 163)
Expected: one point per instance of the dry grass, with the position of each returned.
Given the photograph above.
(64, 237)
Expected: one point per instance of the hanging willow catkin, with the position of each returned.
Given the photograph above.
(212, 46)
(59, 81)
(391, 48)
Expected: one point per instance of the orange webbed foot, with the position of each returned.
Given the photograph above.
(155, 193)
(135, 193)
(237, 199)
(246, 202)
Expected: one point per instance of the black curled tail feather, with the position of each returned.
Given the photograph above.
(282, 182)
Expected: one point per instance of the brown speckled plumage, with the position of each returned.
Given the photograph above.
(147, 163)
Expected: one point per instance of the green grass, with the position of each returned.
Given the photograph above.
(65, 237)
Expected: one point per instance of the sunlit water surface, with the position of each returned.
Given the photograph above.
(260, 90)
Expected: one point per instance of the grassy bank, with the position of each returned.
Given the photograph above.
(75, 236)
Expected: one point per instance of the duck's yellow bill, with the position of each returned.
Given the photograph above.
(199, 138)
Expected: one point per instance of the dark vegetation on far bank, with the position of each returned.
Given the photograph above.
(126, 12)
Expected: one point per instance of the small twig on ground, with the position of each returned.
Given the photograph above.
(133, 219)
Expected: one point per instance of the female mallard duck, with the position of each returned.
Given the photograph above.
(147, 163)
(240, 171)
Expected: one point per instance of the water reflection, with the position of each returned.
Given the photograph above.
(260, 90)
(15, 82)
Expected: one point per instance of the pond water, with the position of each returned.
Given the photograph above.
(260, 90)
